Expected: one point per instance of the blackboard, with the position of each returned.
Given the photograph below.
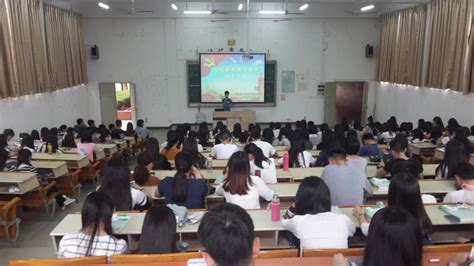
(194, 82)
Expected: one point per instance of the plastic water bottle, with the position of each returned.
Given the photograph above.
(82, 151)
(276, 208)
(209, 164)
(50, 148)
(286, 161)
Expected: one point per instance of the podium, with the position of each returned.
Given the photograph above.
(233, 117)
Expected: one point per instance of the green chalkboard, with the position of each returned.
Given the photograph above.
(194, 81)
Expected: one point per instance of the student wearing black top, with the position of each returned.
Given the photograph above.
(187, 187)
(398, 150)
(158, 232)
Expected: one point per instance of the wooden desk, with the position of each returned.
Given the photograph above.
(130, 140)
(161, 174)
(99, 154)
(439, 154)
(216, 164)
(110, 149)
(244, 118)
(74, 161)
(121, 144)
(299, 174)
(24, 181)
(433, 187)
(59, 168)
(72, 222)
(424, 148)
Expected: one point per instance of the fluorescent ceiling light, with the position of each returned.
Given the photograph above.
(104, 6)
(202, 12)
(272, 12)
(367, 8)
(174, 7)
(303, 7)
(241, 6)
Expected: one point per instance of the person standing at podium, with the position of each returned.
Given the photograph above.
(226, 102)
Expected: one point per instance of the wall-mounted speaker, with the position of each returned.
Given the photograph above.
(369, 51)
(95, 52)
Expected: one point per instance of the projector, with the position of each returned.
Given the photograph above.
(247, 57)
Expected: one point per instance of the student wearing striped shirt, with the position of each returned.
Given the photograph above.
(95, 237)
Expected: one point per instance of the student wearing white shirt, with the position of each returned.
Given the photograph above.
(225, 149)
(95, 238)
(239, 187)
(282, 139)
(116, 184)
(464, 177)
(259, 162)
(299, 157)
(266, 147)
(352, 147)
(311, 221)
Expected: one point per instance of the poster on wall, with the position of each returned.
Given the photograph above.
(302, 82)
(288, 81)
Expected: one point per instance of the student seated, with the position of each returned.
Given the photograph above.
(299, 157)
(95, 238)
(258, 162)
(454, 154)
(394, 239)
(130, 132)
(398, 150)
(370, 147)
(87, 147)
(330, 141)
(463, 176)
(24, 165)
(141, 173)
(69, 140)
(266, 147)
(268, 136)
(403, 192)
(173, 146)
(283, 138)
(28, 143)
(187, 187)
(190, 146)
(142, 131)
(352, 146)
(225, 149)
(116, 184)
(348, 186)
(241, 188)
(311, 221)
(51, 140)
(227, 234)
(158, 232)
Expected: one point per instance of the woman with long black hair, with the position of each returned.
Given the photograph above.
(258, 162)
(187, 187)
(95, 237)
(158, 232)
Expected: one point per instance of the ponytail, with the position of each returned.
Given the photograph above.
(179, 187)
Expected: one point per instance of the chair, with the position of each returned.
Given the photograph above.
(172, 257)
(41, 198)
(10, 223)
(97, 170)
(69, 185)
(60, 262)
(278, 253)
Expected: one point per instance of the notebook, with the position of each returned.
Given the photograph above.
(381, 184)
(119, 221)
(458, 213)
(370, 211)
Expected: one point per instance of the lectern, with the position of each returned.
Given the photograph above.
(230, 118)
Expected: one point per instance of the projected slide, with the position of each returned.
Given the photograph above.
(243, 77)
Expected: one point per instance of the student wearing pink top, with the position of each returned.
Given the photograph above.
(87, 147)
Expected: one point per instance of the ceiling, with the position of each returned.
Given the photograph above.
(162, 8)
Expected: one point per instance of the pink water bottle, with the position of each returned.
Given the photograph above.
(286, 161)
(276, 207)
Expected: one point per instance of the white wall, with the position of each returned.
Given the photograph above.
(152, 54)
(410, 103)
(49, 109)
